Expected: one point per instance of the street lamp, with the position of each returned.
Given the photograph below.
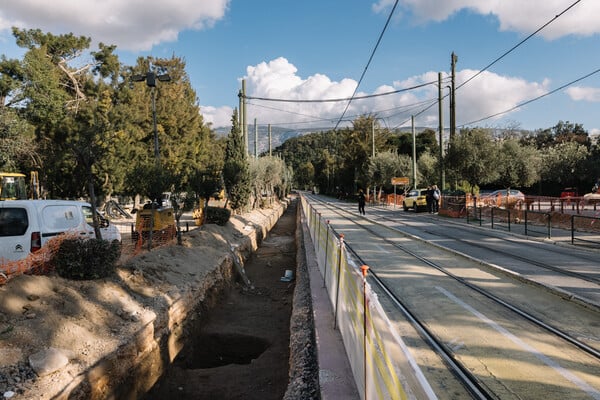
(151, 77)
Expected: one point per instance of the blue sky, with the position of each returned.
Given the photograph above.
(318, 49)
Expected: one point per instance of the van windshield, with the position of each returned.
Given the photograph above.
(13, 188)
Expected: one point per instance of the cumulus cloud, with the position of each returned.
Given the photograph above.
(486, 95)
(580, 93)
(513, 15)
(131, 25)
(217, 116)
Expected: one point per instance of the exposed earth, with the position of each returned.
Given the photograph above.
(240, 349)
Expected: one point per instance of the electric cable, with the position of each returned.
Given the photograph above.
(343, 98)
(518, 44)
(368, 63)
(534, 99)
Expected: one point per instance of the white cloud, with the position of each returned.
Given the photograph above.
(580, 93)
(514, 15)
(217, 116)
(131, 25)
(486, 95)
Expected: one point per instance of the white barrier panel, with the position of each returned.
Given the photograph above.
(381, 363)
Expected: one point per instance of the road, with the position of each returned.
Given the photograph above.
(521, 317)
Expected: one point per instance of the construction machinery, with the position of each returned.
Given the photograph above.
(13, 186)
(155, 223)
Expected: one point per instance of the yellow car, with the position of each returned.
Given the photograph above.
(415, 199)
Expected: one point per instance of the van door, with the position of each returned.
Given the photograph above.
(63, 218)
(15, 236)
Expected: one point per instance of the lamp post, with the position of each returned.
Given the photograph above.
(151, 77)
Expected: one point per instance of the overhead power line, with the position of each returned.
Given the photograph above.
(343, 98)
(534, 99)
(368, 63)
(518, 44)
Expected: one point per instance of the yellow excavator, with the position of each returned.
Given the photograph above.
(13, 186)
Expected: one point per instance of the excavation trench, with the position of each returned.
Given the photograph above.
(236, 344)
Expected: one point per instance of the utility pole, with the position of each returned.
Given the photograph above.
(270, 153)
(373, 138)
(241, 109)
(453, 60)
(244, 124)
(441, 131)
(255, 139)
(414, 143)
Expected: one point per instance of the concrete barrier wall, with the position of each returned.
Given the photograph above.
(381, 363)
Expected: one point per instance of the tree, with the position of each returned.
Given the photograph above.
(235, 170)
(565, 162)
(471, 156)
(427, 167)
(387, 165)
(518, 166)
(305, 175)
(17, 142)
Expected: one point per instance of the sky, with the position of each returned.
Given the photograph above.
(320, 49)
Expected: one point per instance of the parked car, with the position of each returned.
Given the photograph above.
(415, 199)
(503, 198)
(26, 225)
(568, 193)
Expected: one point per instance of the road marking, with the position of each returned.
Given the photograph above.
(544, 359)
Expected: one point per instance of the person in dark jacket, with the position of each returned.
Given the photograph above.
(361, 202)
(429, 199)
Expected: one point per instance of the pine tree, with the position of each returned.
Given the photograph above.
(236, 173)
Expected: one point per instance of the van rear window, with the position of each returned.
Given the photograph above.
(13, 221)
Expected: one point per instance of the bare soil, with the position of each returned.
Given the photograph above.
(242, 350)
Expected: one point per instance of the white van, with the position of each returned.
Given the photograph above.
(26, 225)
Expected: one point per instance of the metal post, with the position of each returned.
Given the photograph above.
(255, 139)
(414, 151)
(156, 151)
(337, 291)
(441, 132)
(454, 59)
(270, 141)
(364, 270)
(326, 255)
(244, 124)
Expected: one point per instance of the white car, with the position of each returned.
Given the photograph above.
(26, 225)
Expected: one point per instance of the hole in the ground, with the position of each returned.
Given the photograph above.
(218, 349)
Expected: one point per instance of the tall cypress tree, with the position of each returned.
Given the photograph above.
(236, 173)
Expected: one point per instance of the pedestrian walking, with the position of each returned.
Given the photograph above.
(429, 199)
(436, 199)
(361, 202)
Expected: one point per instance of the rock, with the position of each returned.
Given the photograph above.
(47, 361)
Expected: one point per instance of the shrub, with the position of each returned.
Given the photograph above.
(86, 259)
(217, 215)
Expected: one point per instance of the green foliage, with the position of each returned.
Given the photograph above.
(217, 215)
(150, 181)
(472, 156)
(236, 174)
(428, 169)
(387, 165)
(86, 259)
(17, 142)
(518, 166)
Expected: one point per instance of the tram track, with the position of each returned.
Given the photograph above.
(460, 370)
(529, 260)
